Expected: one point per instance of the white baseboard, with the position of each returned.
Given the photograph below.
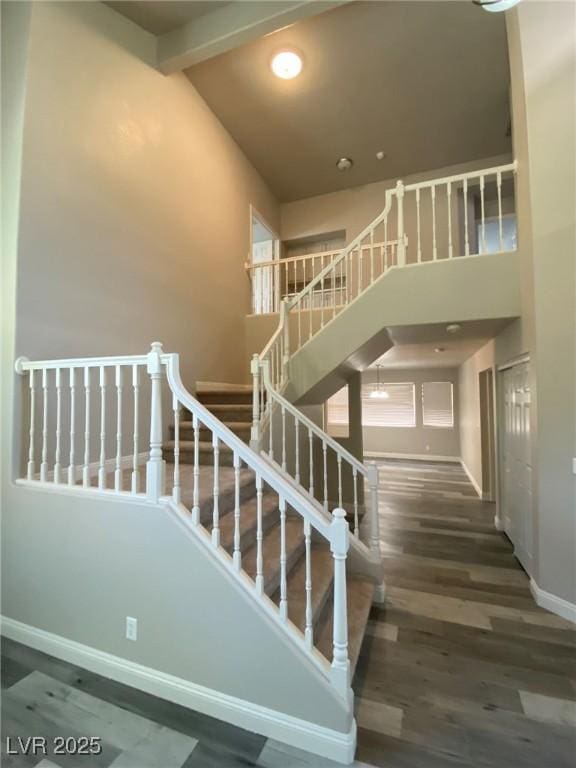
(472, 479)
(553, 603)
(498, 524)
(408, 456)
(244, 714)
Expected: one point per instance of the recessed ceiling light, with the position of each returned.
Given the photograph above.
(344, 164)
(380, 155)
(439, 349)
(453, 328)
(287, 64)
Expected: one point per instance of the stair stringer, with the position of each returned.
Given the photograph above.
(443, 291)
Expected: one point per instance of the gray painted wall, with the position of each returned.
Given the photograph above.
(433, 441)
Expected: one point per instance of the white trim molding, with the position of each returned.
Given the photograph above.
(314, 738)
(410, 456)
(472, 479)
(550, 602)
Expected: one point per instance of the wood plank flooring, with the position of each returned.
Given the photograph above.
(459, 669)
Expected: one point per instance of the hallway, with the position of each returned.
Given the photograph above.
(461, 667)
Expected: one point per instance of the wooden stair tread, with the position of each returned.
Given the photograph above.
(360, 595)
(219, 386)
(218, 407)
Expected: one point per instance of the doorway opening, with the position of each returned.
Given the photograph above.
(264, 257)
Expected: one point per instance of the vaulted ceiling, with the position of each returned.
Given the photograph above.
(425, 82)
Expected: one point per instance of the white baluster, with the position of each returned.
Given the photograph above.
(434, 249)
(135, 437)
(322, 294)
(196, 472)
(325, 463)
(482, 214)
(356, 517)
(359, 291)
(255, 428)
(308, 630)
(299, 314)
(339, 544)
(466, 239)
(44, 464)
(118, 470)
(259, 537)
(283, 589)
(216, 493)
(297, 453)
(374, 516)
(86, 466)
(339, 459)
(401, 254)
(102, 462)
(155, 465)
(271, 428)
(57, 455)
(418, 235)
(449, 198)
(176, 489)
(499, 188)
(237, 556)
(284, 438)
(32, 387)
(371, 256)
(311, 448)
(71, 467)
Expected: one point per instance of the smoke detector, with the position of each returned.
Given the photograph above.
(344, 164)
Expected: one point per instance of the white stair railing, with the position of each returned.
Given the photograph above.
(420, 223)
(112, 421)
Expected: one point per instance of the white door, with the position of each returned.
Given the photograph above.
(516, 485)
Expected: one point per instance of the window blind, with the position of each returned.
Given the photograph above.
(337, 407)
(398, 410)
(437, 404)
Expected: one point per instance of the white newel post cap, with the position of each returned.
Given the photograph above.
(19, 365)
(153, 357)
(340, 542)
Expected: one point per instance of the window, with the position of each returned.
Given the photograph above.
(337, 413)
(437, 404)
(397, 410)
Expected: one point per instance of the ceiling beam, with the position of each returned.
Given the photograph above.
(229, 27)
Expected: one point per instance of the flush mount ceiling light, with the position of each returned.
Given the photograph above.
(453, 327)
(439, 349)
(344, 164)
(495, 6)
(286, 64)
(379, 393)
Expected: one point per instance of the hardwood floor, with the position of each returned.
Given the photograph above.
(459, 669)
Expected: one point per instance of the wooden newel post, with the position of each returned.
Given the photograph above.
(155, 464)
(401, 260)
(339, 547)
(255, 429)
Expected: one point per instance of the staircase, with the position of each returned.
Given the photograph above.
(232, 404)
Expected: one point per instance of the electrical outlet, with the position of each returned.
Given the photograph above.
(131, 628)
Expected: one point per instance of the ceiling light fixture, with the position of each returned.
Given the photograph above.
(495, 6)
(439, 349)
(379, 393)
(344, 164)
(286, 64)
(380, 155)
(453, 327)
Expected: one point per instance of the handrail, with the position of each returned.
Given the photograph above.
(251, 265)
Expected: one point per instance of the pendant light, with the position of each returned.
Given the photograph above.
(379, 392)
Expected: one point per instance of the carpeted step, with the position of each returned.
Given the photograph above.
(240, 428)
(208, 392)
(322, 580)
(229, 411)
(360, 594)
(205, 453)
(248, 521)
(271, 553)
